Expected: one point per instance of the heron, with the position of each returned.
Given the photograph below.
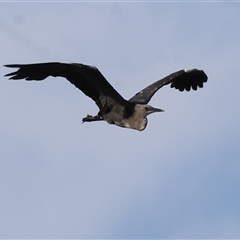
(113, 108)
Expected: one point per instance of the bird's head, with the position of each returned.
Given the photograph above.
(148, 109)
(144, 109)
(141, 112)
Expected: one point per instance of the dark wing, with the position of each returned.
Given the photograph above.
(181, 80)
(86, 78)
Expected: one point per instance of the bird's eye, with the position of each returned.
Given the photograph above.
(146, 108)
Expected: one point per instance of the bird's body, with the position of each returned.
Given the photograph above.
(113, 108)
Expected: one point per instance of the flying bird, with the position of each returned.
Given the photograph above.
(113, 108)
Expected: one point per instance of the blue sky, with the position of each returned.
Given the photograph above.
(179, 178)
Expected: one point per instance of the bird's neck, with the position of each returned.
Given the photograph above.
(137, 124)
(142, 124)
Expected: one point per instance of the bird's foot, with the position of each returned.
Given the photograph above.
(90, 118)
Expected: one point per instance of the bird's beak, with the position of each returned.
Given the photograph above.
(153, 110)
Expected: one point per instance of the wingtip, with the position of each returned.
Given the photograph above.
(12, 74)
(12, 65)
(186, 70)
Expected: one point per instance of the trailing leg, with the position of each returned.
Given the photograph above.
(90, 118)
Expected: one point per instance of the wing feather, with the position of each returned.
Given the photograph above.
(86, 78)
(181, 80)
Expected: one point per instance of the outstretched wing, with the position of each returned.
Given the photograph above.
(181, 80)
(86, 78)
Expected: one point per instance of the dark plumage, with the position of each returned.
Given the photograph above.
(113, 108)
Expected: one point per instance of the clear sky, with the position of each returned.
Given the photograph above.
(179, 178)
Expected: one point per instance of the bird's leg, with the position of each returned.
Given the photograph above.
(90, 118)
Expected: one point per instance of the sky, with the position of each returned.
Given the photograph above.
(179, 178)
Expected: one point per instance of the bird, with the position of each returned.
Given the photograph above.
(113, 108)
